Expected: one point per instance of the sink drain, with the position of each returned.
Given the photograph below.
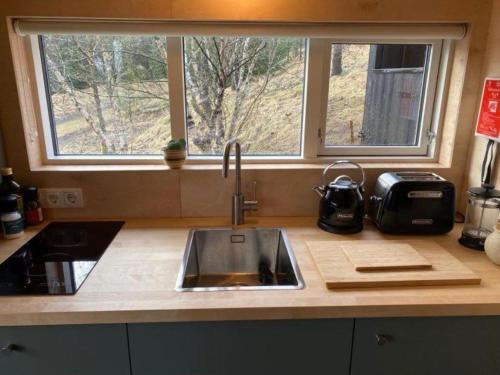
(236, 284)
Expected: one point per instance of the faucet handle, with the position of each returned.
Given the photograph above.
(253, 204)
(254, 191)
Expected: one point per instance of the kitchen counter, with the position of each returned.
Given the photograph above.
(134, 282)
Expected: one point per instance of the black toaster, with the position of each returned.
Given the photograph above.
(413, 203)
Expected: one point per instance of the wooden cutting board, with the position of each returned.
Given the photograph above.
(385, 256)
(338, 272)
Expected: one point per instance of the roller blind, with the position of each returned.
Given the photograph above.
(359, 31)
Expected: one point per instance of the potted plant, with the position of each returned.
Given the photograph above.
(175, 153)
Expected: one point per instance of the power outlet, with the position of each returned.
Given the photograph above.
(61, 198)
(73, 198)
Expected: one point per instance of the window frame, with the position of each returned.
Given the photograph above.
(427, 127)
(317, 65)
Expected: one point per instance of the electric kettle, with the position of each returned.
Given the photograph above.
(341, 208)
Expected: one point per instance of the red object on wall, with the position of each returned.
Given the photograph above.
(488, 121)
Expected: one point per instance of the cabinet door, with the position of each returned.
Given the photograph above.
(64, 350)
(286, 347)
(427, 346)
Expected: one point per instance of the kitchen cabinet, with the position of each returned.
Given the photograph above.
(285, 347)
(427, 346)
(64, 350)
(388, 346)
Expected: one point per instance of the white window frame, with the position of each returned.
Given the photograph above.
(181, 128)
(317, 66)
(426, 128)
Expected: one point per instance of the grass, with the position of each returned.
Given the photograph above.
(71, 127)
(346, 98)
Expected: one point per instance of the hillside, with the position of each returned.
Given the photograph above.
(274, 128)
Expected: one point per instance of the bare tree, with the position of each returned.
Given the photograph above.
(104, 97)
(216, 65)
(336, 63)
(95, 121)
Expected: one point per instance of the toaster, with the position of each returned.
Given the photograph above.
(413, 203)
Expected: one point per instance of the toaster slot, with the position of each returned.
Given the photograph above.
(419, 176)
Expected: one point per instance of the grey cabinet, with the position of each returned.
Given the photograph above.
(389, 346)
(427, 346)
(64, 350)
(285, 347)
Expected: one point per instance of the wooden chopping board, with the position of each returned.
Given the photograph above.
(338, 271)
(385, 256)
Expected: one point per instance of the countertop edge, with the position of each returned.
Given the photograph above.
(234, 314)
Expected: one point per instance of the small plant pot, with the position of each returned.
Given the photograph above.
(174, 158)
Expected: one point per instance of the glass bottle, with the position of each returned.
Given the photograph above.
(10, 186)
(10, 217)
(32, 208)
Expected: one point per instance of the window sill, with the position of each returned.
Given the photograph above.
(217, 166)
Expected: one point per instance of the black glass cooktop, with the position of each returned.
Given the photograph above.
(58, 259)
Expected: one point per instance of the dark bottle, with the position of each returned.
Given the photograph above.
(10, 186)
(32, 208)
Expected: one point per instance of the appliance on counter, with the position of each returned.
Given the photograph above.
(413, 203)
(483, 206)
(341, 208)
(58, 259)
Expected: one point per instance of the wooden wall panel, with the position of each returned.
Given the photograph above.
(2, 154)
(156, 199)
(491, 69)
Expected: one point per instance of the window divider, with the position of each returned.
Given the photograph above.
(40, 102)
(441, 95)
(176, 87)
(315, 98)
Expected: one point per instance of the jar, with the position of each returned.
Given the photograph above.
(11, 219)
(492, 245)
(483, 207)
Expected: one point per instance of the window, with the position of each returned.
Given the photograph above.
(244, 87)
(106, 95)
(375, 95)
(117, 90)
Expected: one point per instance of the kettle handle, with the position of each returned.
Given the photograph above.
(342, 177)
(343, 162)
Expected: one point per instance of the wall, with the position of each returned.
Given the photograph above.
(2, 154)
(202, 192)
(491, 69)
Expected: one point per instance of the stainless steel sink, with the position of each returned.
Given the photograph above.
(238, 259)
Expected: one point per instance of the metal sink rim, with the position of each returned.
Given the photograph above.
(185, 259)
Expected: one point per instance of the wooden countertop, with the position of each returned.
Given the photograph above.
(134, 282)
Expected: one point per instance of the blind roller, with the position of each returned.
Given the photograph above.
(174, 28)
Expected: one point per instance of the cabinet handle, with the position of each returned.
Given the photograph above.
(9, 348)
(383, 339)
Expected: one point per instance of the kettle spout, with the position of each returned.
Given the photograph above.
(320, 190)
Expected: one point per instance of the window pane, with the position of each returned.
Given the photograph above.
(375, 94)
(107, 94)
(245, 87)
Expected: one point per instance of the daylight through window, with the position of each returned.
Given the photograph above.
(246, 88)
(107, 94)
(121, 90)
(375, 94)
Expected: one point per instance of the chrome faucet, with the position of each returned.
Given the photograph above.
(239, 204)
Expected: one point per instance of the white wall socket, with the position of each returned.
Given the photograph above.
(61, 198)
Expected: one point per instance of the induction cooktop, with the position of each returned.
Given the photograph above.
(58, 259)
